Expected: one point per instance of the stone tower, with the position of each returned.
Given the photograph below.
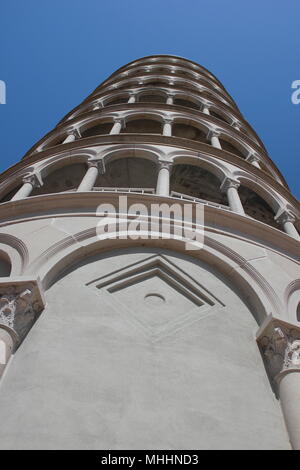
(122, 341)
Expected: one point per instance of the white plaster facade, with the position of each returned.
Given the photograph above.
(120, 343)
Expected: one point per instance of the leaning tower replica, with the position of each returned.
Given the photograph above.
(131, 338)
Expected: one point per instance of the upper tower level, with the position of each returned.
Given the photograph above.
(161, 125)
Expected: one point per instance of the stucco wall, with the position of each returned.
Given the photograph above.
(105, 368)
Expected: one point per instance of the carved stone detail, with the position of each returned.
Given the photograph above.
(229, 183)
(280, 346)
(20, 304)
(285, 216)
(165, 164)
(32, 179)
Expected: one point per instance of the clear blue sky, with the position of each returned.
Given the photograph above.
(54, 53)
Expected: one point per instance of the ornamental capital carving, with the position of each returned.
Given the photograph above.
(21, 302)
(97, 105)
(32, 179)
(229, 183)
(279, 342)
(168, 120)
(213, 133)
(165, 164)
(75, 132)
(252, 158)
(285, 216)
(118, 120)
(99, 164)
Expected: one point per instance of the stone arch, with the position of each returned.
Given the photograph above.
(250, 284)
(187, 102)
(5, 264)
(264, 191)
(151, 96)
(190, 129)
(292, 300)
(96, 127)
(257, 207)
(145, 123)
(61, 177)
(232, 145)
(219, 114)
(126, 170)
(197, 182)
(213, 166)
(114, 100)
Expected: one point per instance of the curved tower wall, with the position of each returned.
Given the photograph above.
(136, 339)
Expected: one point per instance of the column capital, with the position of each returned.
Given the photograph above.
(285, 216)
(97, 163)
(279, 342)
(21, 301)
(75, 132)
(252, 158)
(32, 179)
(213, 133)
(205, 104)
(235, 124)
(168, 120)
(118, 120)
(167, 164)
(98, 105)
(229, 183)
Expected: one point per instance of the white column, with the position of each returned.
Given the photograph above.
(214, 140)
(89, 178)
(6, 348)
(73, 135)
(205, 109)
(163, 178)
(170, 99)
(29, 182)
(116, 129)
(287, 220)
(167, 129)
(230, 186)
(132, 99)
(279, 342)
(254, 160)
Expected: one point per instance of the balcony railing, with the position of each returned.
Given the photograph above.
(185, 197)
(126, 190)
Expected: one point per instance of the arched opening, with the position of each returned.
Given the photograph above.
(62, 179)
(255, 206)
(5, 264)
(128, 172)
(197, 182)
(186, 103)
(143, 126)
(156, 83)
(8, 196)
(218, 115)
(189, 132)
(97, 129)
(116, 101)
(298, 312)
(56, 141)
(229, 147)
(152, 98)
